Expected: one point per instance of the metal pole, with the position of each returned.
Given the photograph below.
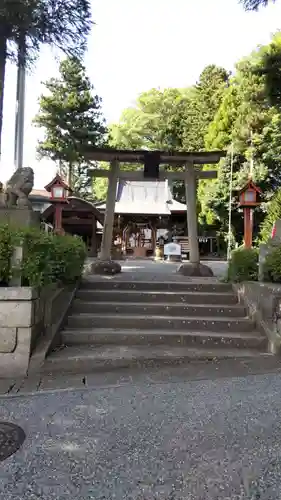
(230, 206)
(252, 158)
(20, 105)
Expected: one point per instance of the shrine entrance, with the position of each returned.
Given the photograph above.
(191, 164)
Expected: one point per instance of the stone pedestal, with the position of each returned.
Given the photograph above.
(19, 217)
(116, 252)
(174, 258)
(195, 270)
(104, 267)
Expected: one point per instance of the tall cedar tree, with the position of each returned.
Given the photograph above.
(71, 116)
(61, 23)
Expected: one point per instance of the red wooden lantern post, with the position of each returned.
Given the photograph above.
(59, 193)
(249, 198)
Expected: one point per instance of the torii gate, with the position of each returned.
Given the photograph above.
(151, 171)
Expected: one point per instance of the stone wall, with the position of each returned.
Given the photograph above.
(19, 311)
(262, 301)
(26, 317)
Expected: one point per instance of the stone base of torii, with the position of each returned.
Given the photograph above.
(190, 175)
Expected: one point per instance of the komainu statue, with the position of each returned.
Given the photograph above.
(18, 188)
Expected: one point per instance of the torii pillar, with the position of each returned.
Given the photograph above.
(193, 268)
(104, 265)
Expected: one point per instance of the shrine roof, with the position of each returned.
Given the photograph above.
(145, 197)
(76, 205)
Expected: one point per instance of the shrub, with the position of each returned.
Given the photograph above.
(6, 251)
(243, 265)
(272, 266)
(47, 258)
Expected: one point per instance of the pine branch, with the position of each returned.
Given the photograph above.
(255, 4)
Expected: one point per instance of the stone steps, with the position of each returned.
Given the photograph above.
(137, 337)
(140, 296)
(159, 309)
(213, 324)
(115, 324)
(209, 286)
(77, 359)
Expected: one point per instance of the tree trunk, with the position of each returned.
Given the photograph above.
(3, 57)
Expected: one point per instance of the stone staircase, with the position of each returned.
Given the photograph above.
(120, 324)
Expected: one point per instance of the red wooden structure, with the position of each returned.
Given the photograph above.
(59, 196)
(249, 199)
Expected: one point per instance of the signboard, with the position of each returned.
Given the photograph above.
(172, 249)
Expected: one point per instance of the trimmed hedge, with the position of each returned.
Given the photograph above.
(272, 266)
(47, 258)
(243, 265)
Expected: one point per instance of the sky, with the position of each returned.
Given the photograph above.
(135, 46)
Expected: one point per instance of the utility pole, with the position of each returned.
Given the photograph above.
(20, 104)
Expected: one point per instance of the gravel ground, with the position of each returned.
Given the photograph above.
(211, 439)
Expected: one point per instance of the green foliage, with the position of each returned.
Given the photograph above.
(47, 258)
(243, 265)
(271, 70)
(72, 119)
(255, 4)
(100, 184)
(241, 112)
(6, 249)
(156, 122)
(272, 266)
(210, 90)
(172, 119)
(273, 212)
(247, 120)
(61, 23)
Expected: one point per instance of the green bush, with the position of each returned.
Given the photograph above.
(243, 265)
(272, 266)
(6, 250)
(47, 258)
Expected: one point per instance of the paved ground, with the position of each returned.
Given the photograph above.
(149, 270)
(149, 436)
(147, 266)
(206, 431)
